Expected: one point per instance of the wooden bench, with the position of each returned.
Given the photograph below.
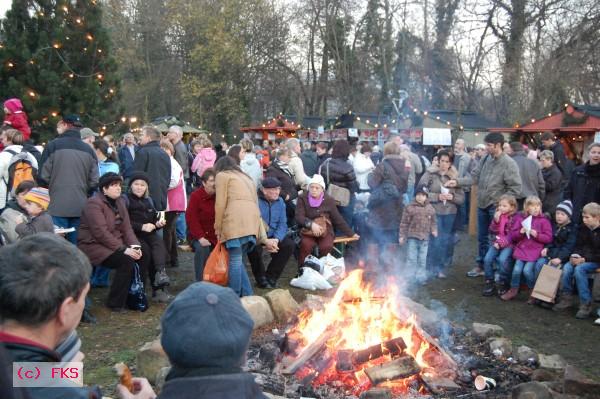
(341, 241)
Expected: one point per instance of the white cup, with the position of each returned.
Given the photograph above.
(483, 383)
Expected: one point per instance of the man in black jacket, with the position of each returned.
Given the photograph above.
(584, 183)
(69, 169)
(151, 159)
(43, 284)
(560, 159)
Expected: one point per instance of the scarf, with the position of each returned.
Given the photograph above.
(283, 166)
(315, 202)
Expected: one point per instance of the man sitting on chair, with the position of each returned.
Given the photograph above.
(272, 211)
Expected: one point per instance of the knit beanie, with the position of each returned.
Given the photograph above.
(317, 179)
(40, 196)
(206, 326)
(566, 207)
(13, 105)
(139, 176)
(108, 178)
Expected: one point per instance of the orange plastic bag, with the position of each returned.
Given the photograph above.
(216, 269)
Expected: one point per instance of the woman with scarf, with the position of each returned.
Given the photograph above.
(289, 191)
(318, 215)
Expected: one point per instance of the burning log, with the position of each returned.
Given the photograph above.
(343, 363)
(347, 359)
(290, 366)
(402, 367)
(450, 363)
(439, 385)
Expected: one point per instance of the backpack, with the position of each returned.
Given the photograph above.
(20, 168)
(386, 192)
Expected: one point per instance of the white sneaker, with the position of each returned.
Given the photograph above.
(597, 322)
(161, 296)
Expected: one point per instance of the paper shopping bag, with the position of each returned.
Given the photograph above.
(546, 285)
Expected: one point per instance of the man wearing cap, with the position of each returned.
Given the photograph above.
(273, 212)
(88, 136)
(205, 333)
(69, 168)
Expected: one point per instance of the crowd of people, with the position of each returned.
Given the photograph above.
(128, 204)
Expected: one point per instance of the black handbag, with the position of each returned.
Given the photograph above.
(136, 298)
(386, 191)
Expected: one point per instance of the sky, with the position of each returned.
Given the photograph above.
(4, 5)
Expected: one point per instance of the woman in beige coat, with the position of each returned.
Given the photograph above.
(237, 219)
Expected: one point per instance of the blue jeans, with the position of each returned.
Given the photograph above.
(416, 251)
(539, 264)
(525, 268)
(238, 276)
(200, 256)
(484, 218)
(502, 257)
(581, 279)
(180, 227)
(438, 253)
(66, 223)
(100, 276)
(347, 212)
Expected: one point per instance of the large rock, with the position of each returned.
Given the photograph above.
(484, 331)
(576, 383)
(531, 390)
(543, 375)
(526, 355)
(553, 362)
(161, 377)
(282, 304)
(501, 347)
(259, 310)
(150, 359)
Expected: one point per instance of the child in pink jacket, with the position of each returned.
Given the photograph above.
(528, 247)
(16, 117)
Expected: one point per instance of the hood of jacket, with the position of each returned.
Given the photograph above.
(250, 159)
(452, 172)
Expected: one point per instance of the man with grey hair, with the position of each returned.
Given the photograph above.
(464, 164)
(295, 164)
(155, 162)
(127, 156)
(553, 179)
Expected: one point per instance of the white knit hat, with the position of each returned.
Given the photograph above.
(317, 179)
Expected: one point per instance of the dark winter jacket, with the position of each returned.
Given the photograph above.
(19, 349)
(583, 188)
(288, 187)
(39, 224)
(560, 159)
(387, 216)
(126, 160)
(200, 216)
(69, 168)
(310, 162)
(588, 243)
(433, 180)
(180, 156)
(141, 211)
(104, 228)
(530, 249)
(563, 242)
(532, 180)
(305, 214)
(553, 180)
(322, 158)
(220, 386)
(151, 159)
(339, 172)
(494, 177)
(273, 213)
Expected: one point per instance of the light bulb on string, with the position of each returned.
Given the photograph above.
(65, 9)
(78, 20)
(10, 64)
(31, 93)
(56, 45)
(89, 37)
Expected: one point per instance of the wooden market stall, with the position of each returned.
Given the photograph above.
(275, 128)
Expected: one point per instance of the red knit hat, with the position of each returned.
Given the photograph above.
(13, 105)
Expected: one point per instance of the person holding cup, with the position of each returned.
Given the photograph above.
(107, 238)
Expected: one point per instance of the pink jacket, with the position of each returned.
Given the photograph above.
(529, 249)
(18, 121)
(176, 197)
(205, 159)
(501, 230)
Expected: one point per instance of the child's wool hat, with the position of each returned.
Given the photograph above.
(39, 195)
(566, 207)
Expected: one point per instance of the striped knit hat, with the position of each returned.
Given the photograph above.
(566, 207)
(40, 196)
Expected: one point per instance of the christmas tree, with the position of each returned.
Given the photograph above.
(55, 57)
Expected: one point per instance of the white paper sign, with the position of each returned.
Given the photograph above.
(597, 137)
(445, 191)
(435, 136)
(526, 223)
(352, 132)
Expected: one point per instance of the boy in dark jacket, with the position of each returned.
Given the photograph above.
(418, 222)
(584, 260)
(39, 220)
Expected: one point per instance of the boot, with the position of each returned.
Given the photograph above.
(566, 301)
(490, 288)
(503, 288)
(585, 310)
(510, 294)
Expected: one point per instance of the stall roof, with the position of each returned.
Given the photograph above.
(572, 119)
